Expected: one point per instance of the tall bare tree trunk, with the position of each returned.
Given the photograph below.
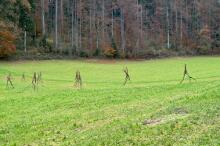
(97, 25)
(56, 25)
(138, 28)
(62, 36)
(141, 15)
(80, 24)
(176, 16)
(122, 32)
(168, 25)
(61, 17)
(76, 28)
(112, 22)
(176, 24)
(43, 17)
(90, 26)
(181, 27)
(103, 24)
(25, 41)
(72, 25)
(186, 21)
(97, 34)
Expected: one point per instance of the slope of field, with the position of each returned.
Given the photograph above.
(152, 109)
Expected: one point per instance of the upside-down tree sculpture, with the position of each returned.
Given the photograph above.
(127, 76)
(186, 74)
(78, 80)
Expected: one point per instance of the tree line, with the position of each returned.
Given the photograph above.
(110, 28)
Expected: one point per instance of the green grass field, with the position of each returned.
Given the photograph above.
(152, 109)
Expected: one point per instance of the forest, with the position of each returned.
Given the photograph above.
(110, 28)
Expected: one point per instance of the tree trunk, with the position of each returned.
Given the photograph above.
(76, 29)
(168, 25)
(72, 26)
(96, 25)
(25, 41)
(43, 17)
(112, 22)
(181, 28)
(62, 37)
(80, 25)
(90, 26)
(103, 24)
(138, 28)
(176, 25)
(97, 34)
(176, 16)
(141, 15)
(56, 25)
(122, 32)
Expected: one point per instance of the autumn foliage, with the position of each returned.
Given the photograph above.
(110, 52)
(7, 46)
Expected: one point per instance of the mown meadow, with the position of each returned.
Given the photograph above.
(151, 109)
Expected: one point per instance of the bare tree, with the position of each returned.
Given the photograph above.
(25, 40)
(43, 17)
(112, 21)
(141, 17)
(103, 23)
(80, 24)
(122, 32)
(181, 27)
(168, 23)
(72, 23)
(56, 24)
(138, 27)
(76, 28)
(90, 25)
(62, 36)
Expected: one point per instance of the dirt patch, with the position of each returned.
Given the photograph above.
(164, 119)
(180, 111)
(152, 122)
